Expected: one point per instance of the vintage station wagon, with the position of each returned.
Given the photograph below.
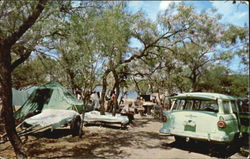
(203, 116)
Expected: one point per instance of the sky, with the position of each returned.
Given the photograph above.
(236, 14)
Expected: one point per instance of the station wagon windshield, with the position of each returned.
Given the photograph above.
(196, 104)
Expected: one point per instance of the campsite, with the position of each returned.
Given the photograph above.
(124, 79)
(100, 137)
(141, 141)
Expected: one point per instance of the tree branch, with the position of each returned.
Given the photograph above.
(23, 57)
(144, 52)
(11, 40)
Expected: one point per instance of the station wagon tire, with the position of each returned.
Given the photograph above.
(235, 145)
(75, 126)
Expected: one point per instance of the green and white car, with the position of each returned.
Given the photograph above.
(203, 116)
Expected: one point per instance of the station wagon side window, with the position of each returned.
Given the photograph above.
(226, 107)
(234, 108)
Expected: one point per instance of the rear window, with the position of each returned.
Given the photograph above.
(226, 107)
(234, 108)
(197, 105)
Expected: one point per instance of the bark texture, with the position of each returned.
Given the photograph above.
(6, 96)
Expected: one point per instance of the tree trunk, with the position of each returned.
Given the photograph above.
(104, 89)
(5, 78)
(122, 96)
(6, 96)
(138, 90)
(194, 82)
(117, 91)
(72, 82)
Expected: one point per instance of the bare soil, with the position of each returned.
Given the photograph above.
(142, 140)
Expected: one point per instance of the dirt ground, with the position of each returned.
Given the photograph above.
(141, 141)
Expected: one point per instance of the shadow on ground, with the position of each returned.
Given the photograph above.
(204, 148)
(91, 145)
(105, 141)
(55, 134)
(106, 125)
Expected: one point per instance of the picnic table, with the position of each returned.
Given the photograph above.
(148, 107)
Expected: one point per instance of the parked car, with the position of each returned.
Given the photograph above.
(203, 116)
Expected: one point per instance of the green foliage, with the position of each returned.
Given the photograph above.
(239, 85)
(182, 51)
(233, 33)
(219, 79)
(31, 73)
(187, 57)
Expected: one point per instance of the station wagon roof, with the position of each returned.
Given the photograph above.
(204, 96)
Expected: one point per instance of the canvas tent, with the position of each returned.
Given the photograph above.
(49, 96)
(19, 97)
(31, 89)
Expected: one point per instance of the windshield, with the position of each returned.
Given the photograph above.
(196, 104)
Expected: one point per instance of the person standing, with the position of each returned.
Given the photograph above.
(128, 111)
(95, 100)
(139, 104)
(112, 106)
